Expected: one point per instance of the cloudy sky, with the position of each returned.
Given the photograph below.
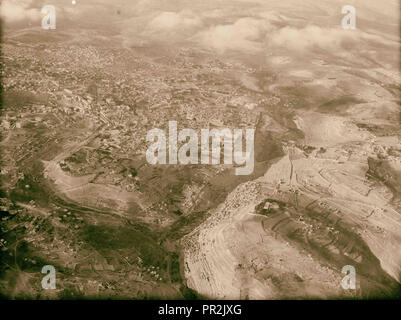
(219, 25)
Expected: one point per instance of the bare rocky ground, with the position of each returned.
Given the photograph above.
(330, 201)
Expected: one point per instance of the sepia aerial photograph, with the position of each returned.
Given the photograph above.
(200, 150)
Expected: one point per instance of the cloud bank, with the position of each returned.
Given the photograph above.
(249, 26)
(244, 34)
(18, 10)
(173, 21)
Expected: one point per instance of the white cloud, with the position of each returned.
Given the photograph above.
(18, 10)
(166, 21)
(245, 34)
(310, 37)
